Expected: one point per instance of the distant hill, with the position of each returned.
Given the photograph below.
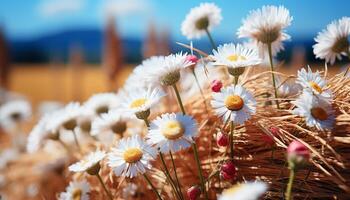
(57, 46)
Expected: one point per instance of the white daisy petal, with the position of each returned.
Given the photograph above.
(266, 25)
(244, 191)
(234, 103)
(172, 132)
(13, 112)
(333, 42)
(317, 111)
(313, 83)
(76, 190)
(88, 162)
(201, 18)
(235, 56)
(131, 157)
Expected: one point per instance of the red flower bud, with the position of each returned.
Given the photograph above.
(267, 138)
(193, 192)
(221, 139)
(297, 153)
(192, 58)
(216, 85)
(228, 171)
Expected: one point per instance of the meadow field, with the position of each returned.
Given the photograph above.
(47, 83)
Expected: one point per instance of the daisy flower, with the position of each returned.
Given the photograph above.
(13, 112)
(8, 155)
(266, 26)
(137, 78)
(313, 83)
(317, 112)
(287, 88)
(111, 122)
(69, 115)
(89, 164)
(234, 103)
(131, 157)
(172, 132)
(140, 101)
(166, 70)
(201, 19)
(38, 134)
(244, 191)
(102, 102)
(333, 42)
(76, 190)
(235, 57)
(85, 119)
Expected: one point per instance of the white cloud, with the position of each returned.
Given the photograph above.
(49, 8)
(126, 7)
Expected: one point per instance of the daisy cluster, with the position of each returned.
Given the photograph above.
(129, 132)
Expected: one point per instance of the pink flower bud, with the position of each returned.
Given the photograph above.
(297, 153)
(193, 192)
(228, 171)
(192, 58)
(299, 149)
(221, 139)
(216, 85)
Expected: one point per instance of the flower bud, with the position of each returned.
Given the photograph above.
(193, 193)
(221, 140)
(297, 153)
(192, 58)
(228, 171)
(267, 138)
(216, 85)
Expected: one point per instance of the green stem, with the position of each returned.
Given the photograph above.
(232, 130)
(179, 99)
(176, 177)
(273, 74)
(199, 167)
(146, 122)
(152, 186)
(290, 184)
(167, 174)
(76, 140)
(104, 187)
(210, 39)
(200, 89)
(216, 172)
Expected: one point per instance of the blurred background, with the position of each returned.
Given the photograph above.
(63, 50)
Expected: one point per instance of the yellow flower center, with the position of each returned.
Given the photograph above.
(138, 103)
(235, 57)
(132, 155)
(234, 102)
(315, 86)
(233, 189)
(172, 130)
(319, 113)
(77, 193)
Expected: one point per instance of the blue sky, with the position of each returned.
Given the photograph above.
(33, 18)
